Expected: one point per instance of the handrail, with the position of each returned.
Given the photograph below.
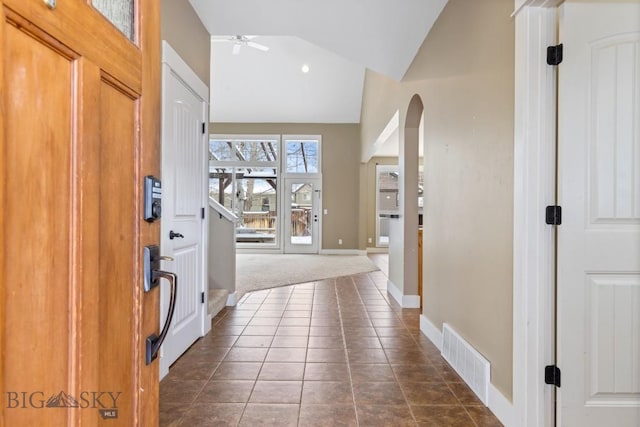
(223, 211)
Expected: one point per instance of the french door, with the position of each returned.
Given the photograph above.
(302, 199)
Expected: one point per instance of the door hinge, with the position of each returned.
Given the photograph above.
(552, 375)
(203, 128)
(554, 54)
(553, 215)
(202, 297)
(202, 213)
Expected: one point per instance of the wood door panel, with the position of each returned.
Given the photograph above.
(38, 164)
(117, 226)
(79, 27)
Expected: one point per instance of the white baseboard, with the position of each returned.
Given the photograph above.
(232, 299)
(207, 325)
(411, 301)
(394, 291)
(431, 331)
(342, 252)
(405, 301)
(372, 250)
(501, 407)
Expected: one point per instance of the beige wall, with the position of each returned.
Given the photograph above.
(186, 34)
(340, 177)
(464, 76)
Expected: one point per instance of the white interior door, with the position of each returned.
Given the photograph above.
(599, 191)
(184, 148)
(302, 215)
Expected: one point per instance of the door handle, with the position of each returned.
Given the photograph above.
(154, 341)
(173, 235)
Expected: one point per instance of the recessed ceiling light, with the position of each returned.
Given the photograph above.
(305, 68)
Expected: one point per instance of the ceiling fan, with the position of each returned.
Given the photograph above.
(239, 41)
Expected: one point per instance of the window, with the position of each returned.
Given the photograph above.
(243, 176)
(302, 155)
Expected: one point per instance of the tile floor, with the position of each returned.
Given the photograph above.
(329, 353)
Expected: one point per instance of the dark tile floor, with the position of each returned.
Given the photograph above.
(330, 353)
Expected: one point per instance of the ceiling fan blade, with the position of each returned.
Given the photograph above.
(236, 49)
(258, 46)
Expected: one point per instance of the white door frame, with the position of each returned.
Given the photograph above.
(534, 189)
(171, 59)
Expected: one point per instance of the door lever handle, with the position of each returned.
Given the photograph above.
(174, 235)
(154, 341)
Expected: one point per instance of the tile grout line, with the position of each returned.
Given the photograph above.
(404, 396)
(346, 351)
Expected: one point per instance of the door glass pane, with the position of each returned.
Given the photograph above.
(120, 13)
(301, 214)
(255, 204)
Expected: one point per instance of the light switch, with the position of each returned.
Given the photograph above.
(326, 211)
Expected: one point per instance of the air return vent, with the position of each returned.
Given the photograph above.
(474, 369)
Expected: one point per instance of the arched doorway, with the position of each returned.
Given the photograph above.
(403, 245)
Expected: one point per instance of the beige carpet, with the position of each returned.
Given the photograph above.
(258, 271)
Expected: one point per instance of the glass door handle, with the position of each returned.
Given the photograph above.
(154, 341)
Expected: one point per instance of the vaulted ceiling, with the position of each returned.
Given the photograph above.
(337, 39)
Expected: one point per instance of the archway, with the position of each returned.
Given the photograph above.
(403, 245)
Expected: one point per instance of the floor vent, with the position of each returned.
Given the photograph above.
(474, 369)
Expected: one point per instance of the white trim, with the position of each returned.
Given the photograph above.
(177, 64)
(405, 301)
(342, 252)
(533, 241)
(394, 291)
(232, 299)
(222, 210)
(431, 331)
(501, 407)
(411, 301)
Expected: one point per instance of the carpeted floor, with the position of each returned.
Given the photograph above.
(260, 271)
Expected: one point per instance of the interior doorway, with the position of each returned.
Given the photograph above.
(387, 201)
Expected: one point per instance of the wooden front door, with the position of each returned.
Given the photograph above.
(79, 130)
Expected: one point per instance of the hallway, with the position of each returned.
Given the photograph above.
(336, 352)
